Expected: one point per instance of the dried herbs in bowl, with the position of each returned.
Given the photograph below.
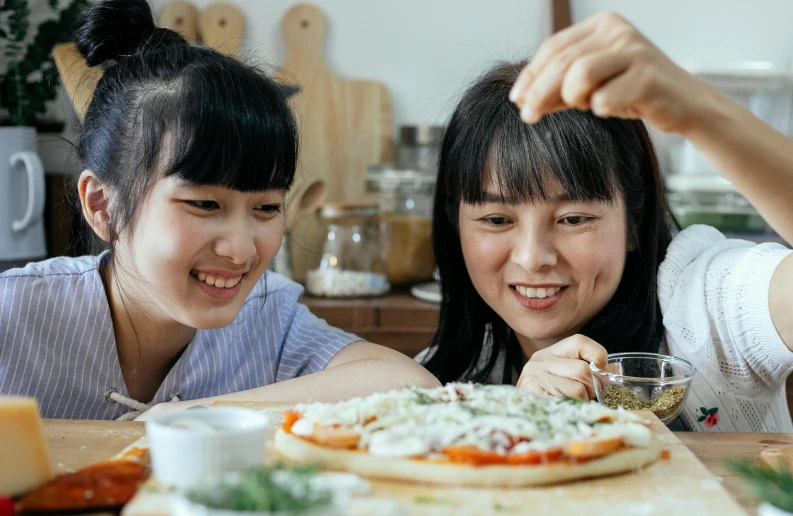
(644, 381)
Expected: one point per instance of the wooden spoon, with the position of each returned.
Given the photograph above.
(222, 27)
(181, 17)
(307, 198)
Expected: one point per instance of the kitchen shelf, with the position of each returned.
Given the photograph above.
(397, 320)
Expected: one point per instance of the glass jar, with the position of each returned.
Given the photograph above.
(353, 261)
(419, 146)
(405, 201)
(700, 199)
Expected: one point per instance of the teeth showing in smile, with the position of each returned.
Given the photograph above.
(216, 281)
(540, 293)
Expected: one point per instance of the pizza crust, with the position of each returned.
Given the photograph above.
(362, 463)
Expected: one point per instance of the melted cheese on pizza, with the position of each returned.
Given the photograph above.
(415, 422)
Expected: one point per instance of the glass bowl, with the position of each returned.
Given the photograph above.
(644, 381)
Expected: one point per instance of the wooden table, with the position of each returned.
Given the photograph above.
(74, 444)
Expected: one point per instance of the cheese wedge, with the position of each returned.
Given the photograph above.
(24, 459)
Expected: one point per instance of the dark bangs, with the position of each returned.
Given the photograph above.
(487, 147)
(527, 163)
(228, 126)
(176, 109)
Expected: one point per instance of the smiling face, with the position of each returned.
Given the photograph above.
(545, 267)
(195, 253)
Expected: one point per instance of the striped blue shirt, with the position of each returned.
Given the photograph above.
(57, 342)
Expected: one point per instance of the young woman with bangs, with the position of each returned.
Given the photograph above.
(188, 155)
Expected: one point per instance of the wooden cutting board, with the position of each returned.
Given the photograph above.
(344, 125)
(181, 17)
(680, 485)
(222, 27)
(78, 78)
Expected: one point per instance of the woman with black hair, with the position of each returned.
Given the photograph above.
(552, 232)
(188, 155)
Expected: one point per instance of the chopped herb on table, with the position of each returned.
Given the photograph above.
(277, 488)
(432, 500)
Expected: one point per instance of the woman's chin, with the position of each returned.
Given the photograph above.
(209, 322)
(547, 336)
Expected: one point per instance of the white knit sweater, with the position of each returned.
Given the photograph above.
(714, 299)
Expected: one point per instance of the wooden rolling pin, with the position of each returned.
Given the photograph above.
(778, 458)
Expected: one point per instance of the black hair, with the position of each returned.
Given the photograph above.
(592, 159)
(227, 123)
(164, 107)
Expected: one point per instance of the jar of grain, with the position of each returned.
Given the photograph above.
(405, 202)
(353, 262)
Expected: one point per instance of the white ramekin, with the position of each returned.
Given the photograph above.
(188, 457)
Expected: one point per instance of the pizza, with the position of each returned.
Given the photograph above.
(466, 434)
(106, 485)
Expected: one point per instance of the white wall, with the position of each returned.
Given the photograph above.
(427, 51)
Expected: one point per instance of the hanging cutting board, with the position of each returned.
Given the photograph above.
(344, 125)
(181, 17)
(222, 27)
(78, 78)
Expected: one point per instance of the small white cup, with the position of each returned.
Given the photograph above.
(214, 440)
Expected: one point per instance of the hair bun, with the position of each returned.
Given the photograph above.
(109, 29)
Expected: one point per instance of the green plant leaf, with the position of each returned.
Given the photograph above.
(31, 79)
(704, 411)
(702, 418)
(766, 484)
(19, 19)
(713, 410)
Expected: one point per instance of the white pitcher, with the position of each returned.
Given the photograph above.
(21, 197)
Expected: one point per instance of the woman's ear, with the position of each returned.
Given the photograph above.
(95, 201)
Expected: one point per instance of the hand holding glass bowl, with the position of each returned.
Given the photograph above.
(644, 381)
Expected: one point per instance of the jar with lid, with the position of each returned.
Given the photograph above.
(353, 262)
(405, 201)
(418, 147)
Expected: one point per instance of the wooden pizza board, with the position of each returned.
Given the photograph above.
(344, 126)
(677, 486)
